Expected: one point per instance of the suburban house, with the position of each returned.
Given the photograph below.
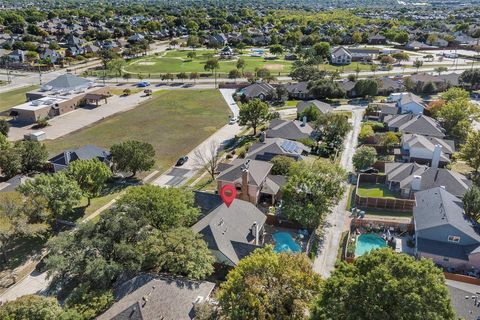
(50, 55)
(12, 184)
(298, 90)
(377, 39)
(407, 102)
(57, 97)
(349, 87)
(422, 149)
(259, 90)
(443, 232)
(268, 148)
(442, 82)
(231, 233)
(415, 124)
(251, 178)
(218, 39)
(289, 129)
(417, 45)
(16, 56)
(408, 178)
(87, 152)
(341, 56)
(388, 85)
(153, 297)
(317, 104)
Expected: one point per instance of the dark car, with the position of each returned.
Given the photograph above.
(181, 161)
(41, 266)
(369, 170)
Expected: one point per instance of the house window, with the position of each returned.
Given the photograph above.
(455, 239)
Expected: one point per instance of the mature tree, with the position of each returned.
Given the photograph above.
(435, 106)
(191, 55)
(402, 37)
(276, 49)
(34, 155)
(322, 50)
(455, 93)
(35, 307)
(213, 65)
(429, 88)
(387, 59)
(471, 77)
(234, 74)
(60, 192)
(364, 157)
(107, 55)
(241, 64)
(332, 128)
(116, 65)
(10, 162)
(311, 112)
(311, 190)
(307, 73)
(357, 37)
(4, 143)
(325, 89)
(208, 158)
(193, 42)
(366, 87)
(162, 208)
(389, 140)
(133, 156)
(456, 118)
(282, 165)
(269, 285)
(439, 70)
(178, 251)
(366, 132)
(16, 222)
(385, 285)
(4, 127)
(417, 64)
(401, 56)
(90, 176)
(194, 76)
(253, 114)
(471, 203)
(281, 93)
(470, 151)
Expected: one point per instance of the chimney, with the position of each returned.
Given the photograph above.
(255, 232)
(67, 157)
(262, 136)
(416, 183)
(436, 156)
(245, 181)
(304, 121)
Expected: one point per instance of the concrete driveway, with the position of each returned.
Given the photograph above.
(34, 283)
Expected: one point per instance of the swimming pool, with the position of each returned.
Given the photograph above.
(285, 243)
(367, 242)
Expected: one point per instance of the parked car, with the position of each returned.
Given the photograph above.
(369, 170)
(143, 84)
(181, 161)
(233, 120)
(40, 267)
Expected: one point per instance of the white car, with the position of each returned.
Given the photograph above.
(233, 120)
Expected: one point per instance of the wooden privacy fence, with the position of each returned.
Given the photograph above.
(384, 203)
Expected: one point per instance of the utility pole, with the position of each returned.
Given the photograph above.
(40, 74)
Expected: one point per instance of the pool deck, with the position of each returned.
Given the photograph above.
(270, 230)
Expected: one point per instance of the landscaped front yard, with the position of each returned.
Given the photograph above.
(375, 191)
(13, 98)
(174, 122)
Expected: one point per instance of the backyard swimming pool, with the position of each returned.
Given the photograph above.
(367, 242)
(285, 243)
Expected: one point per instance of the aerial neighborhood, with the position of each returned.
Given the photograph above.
(267, 160)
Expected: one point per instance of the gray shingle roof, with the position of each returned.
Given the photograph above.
(403, 173)
(229, 230)
(288, 129)
(257, 171)
(410, 123)
(428, 143)
(87, 152)
(68, 81)
(272, 147)
(321, 106)
(152, 297)
(256, 89)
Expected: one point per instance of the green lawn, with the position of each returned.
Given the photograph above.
(176, 61)
(375, 191)
(174, 122)
(387, 213)
(13, 98)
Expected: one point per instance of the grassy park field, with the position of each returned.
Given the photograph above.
(174, 122)
(13, 98)
(176, 61)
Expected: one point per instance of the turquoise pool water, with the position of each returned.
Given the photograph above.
(367, 242)
(285, 243)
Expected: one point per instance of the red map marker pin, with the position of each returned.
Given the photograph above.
(228, 194)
